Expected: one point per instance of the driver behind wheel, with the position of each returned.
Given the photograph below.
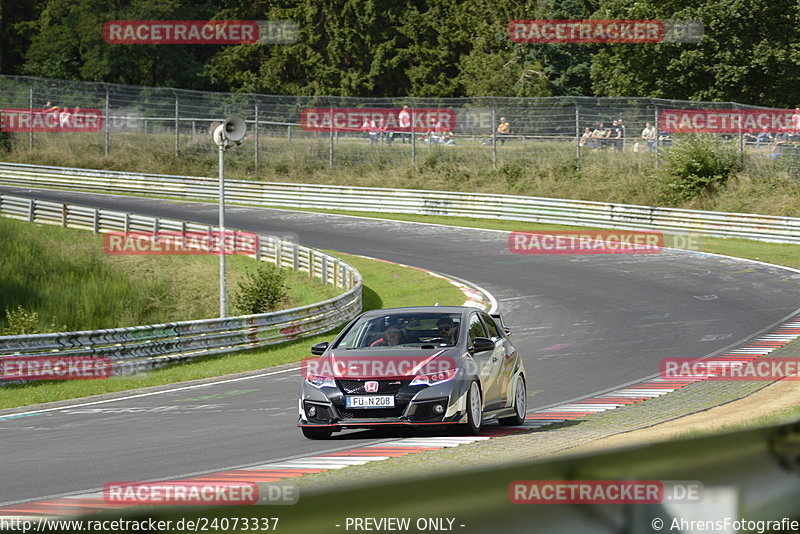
(445, 329)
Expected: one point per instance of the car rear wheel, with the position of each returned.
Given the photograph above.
(316, 433)
(474, 409)
(520, 405)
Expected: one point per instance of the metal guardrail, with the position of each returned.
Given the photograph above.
(518, 208)
(145, 347)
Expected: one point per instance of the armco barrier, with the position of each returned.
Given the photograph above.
(528, 209)
(145, 347)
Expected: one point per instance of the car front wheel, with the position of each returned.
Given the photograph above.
(474, 409)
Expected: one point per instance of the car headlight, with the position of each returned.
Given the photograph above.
(433, 378)
(319, 381)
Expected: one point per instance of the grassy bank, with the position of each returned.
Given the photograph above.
(537, 168)
(408, 287)
(66, 278)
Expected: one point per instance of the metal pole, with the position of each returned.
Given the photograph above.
(494, 137)
(413, 138)
(223, 301)
(577, 136)
(257, 138)
(330, 147)
(177, 140)
(107, 124)
(30, 105)
(658, 134)
(289, 133)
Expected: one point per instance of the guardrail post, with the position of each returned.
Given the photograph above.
(295, 257)
(31, 210)
(258, 247)
(324, 269)
(156, 225)
(107, 123)
(278, 253)
(310, 263)
(64, 215)
(96, 222)
(127, 223)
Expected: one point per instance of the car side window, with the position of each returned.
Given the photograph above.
(476, 327)
(491, 327)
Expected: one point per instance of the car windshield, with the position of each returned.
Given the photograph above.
(402, 330)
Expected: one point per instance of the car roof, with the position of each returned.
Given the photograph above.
(422, 309)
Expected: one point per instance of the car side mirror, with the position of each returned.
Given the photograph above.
(482, 344)
(319, 348)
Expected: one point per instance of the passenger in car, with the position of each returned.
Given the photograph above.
(393, 336)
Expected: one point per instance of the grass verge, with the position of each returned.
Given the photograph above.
(95, 290)
(405, 287)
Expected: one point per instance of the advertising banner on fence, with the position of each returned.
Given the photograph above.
(721, 121)
(45, 120)
(366, 119)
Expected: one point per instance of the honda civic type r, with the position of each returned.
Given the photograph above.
(418, 366)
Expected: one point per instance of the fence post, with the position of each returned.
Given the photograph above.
(177, 140)
(413, 137)
(325, 269)
(494, 137)
(330, 144)
(256, 138)
(64, 210)
(289, 133)
(31, 210)
(96, 221)
(30, 105)
(658, 135)
(577, 136)
(107, 123)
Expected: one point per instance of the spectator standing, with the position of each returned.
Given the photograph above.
(404, 124)
(649, 136)
(621, 124)
(503, 130)
(64, 118)
(778, 142)
(598, 135)
(615, 136)
(763, 138)
(371, 129)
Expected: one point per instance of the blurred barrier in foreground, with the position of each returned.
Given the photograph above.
(749, 477)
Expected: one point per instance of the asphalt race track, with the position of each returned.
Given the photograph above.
(583, 323)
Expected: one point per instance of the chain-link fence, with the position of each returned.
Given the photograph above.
(291, 132)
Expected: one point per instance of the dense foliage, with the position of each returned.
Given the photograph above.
(440, 48)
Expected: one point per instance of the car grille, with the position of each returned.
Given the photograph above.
(385, 387)
(371, 413)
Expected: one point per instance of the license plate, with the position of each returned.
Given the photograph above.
(370, 401)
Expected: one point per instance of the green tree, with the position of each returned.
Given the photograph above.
(749, 53)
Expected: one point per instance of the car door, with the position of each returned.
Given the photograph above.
(486, 361)
(506, 360)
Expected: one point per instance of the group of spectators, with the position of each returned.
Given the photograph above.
(604, 137)
(765, 139)
(379, 132)
(64, 114)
